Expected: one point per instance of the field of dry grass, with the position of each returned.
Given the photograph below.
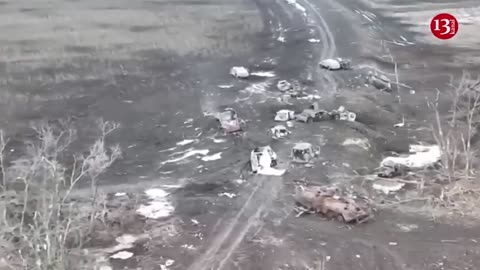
(50, 50)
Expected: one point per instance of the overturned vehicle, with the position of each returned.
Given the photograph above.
(304, 152)
(328, 202)
(229, 121)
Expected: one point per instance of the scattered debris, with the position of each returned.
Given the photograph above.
(342, 114)
(387, 186)
(284, 115)
(239, 72)
(263, 160)
(326, 201)
(122, 255)
(422, 157)
(304, 152)
(379, 81)
(279, 132)
(335, 64)
(289, 124)
(120, 194)
(212, 157)
(314, 40)
(229, 121)
(284, 85)
(407, 227)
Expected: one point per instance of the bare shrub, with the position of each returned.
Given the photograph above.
(41, 228)
(454, 135)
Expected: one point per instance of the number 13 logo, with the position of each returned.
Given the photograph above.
(444, 26)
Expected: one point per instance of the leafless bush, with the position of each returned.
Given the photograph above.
(41, 228)
(454, 135)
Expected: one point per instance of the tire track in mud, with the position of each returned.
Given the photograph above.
(226, 242)
(327, 39)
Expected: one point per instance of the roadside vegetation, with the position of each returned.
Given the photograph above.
(41, 227)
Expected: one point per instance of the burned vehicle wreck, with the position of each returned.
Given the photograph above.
(260, 156)
(229, 121)
(328, 202)
(304, 152)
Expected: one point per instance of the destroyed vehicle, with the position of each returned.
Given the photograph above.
(229, 121)
(327, 202)
(279, 132)
(335, 64)
(312, 114)
(304, 152)
(284, 115)
(343, 114)
(239, 72)
(381, 82)
(284, 85)
(260, 156)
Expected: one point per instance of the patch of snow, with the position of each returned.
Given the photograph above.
(167, 150)
(185, 142)
(159, 207)
(122, 255)
(169, 262)
(128, 101)
(297, 6)
(194, 221)
(188, 121)
(225, 86)
(120, 194)
(240, 181)
(212, 157)
(310, 97)
(156, 193)
(387, 186)
(313, 40)
(218, 140)
(226, 194)
(422, 156)
(281, 39)
(268, 74)
(188, 154)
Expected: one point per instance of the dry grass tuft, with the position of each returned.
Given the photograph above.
(41, 228)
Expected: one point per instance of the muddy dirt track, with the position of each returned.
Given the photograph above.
(161, 67)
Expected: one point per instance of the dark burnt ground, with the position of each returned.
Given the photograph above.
(159, 94)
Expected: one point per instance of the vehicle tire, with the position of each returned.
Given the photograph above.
(273, 163)
(309, 120)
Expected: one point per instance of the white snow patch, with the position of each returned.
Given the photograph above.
(226, 194)
(188, 121)
(297, 6)
(268, 74)
(422, 156)
(281, 39)
(159, 207)
(225, 86)
(191, 247)
(188, 154)
(388, 186)
(120, 194)
(212, 157)
(314, 40)
(218, 140)
(185, 142)
(122, 255)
